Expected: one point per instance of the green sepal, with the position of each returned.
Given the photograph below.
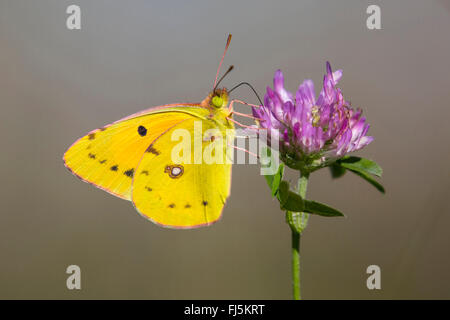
(321, 209)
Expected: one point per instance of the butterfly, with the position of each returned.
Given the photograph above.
(132, 159)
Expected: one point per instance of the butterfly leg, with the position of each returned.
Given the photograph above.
(243, 125)
(245, 115)
(243, 149)
(230, 108)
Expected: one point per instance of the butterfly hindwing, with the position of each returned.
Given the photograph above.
(181, 195)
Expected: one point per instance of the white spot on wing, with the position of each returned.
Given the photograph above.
(176, 171)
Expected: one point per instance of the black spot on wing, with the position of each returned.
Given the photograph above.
(153, 150)
(187, 205)
(205, 203)
(103, 161)
(172, 205)
(91, 136)
(129, 173)
(114, 168)
(142, 131)
(91, 155)
(148, 188)
(145, 172)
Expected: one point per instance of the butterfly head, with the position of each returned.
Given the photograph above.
(217, 99)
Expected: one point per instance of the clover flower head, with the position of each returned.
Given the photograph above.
(312, 132)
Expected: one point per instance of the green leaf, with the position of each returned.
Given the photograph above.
(337, 170)
(321, 209)
(277, 179)
(283, 192)
(289, 200)
(363, 168)
(293, 202)
(370, 179)
(361, 165)
(268, 159)
(274, 180)
(269, 180)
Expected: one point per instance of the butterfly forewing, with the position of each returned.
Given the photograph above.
(108, 157)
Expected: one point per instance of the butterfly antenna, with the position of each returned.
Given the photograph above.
(220, 80)
(251, 87)
(223, 56)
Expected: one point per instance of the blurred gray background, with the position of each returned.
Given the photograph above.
(57, 84)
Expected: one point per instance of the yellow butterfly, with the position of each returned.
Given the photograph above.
(132, 159)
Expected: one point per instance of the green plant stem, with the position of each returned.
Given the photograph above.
(296, 264)
(302, 184)
(296, 235)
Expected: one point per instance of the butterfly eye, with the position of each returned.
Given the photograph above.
(217, 101)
